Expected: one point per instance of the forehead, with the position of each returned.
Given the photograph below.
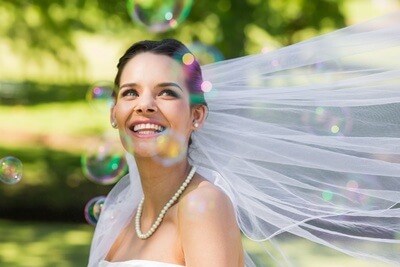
(150, 67)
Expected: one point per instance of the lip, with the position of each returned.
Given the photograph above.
(146, 121)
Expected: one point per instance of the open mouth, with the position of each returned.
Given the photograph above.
(147, 128)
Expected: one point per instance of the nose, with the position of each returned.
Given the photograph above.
(145, 104)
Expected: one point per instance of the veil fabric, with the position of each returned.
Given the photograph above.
(305, 140)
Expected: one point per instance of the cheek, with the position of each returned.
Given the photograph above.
(175, 111)
(122, 110)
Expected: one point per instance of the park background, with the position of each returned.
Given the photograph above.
(52, 52)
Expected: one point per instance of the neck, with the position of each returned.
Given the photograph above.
(159, 183)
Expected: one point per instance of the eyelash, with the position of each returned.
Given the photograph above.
(169, 92)
(128, 91)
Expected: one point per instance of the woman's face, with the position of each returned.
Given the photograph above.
(152, 99)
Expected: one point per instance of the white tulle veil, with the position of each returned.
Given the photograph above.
(305, 140)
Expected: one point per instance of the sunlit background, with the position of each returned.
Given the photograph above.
(59, 156)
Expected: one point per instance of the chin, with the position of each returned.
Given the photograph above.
(141, 148)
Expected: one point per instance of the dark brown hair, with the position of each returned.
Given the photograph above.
(176, 50)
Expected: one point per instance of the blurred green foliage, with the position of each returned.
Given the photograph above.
(52, 188)
(47, 27)
(30, 93)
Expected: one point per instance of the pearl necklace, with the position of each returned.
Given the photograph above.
(160, 217)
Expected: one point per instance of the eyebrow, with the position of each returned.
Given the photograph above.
(169, 84)
(166, 84)
(128, 85)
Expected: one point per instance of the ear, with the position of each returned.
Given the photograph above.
(199, 114)
(112, 116)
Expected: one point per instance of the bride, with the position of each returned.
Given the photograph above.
(301, 141)
(182, 219)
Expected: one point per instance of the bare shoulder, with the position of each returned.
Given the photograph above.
(207, 227)
(205, 202)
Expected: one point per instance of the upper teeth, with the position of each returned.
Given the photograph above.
(147, 126)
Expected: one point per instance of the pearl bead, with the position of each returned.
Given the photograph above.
(164, 210)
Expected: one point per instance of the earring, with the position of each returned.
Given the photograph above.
(114, 124)
(196, 124)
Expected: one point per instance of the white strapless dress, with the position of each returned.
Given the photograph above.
(137, 263)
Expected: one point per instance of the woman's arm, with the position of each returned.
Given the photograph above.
(208, 229)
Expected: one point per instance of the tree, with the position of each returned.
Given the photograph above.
(45, 30)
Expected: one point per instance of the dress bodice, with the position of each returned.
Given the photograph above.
(137, 263)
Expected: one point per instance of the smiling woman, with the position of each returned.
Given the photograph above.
(156, 94)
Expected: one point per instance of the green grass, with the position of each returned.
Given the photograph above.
(34, 244)
(44, 244)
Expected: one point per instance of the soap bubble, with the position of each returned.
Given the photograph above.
(169, 148)
(206, 86)
(166, 148)
(101, 96)
(188, 59)
(10, 170)
(159, 15)
(327, 195)
(104, 162)
(205, 54)
(93, 209)
(357, 184)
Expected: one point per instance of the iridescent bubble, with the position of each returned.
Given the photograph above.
(198, 206)
(352, 185)
(209, 91)
(159, 15)
(188, 59)
(356, 184)
(10, 170)
(169, 148)
(327, 195)
(206, 86)
(269, 47)
(127, 142)
(328, 121)
(104, 162)
(275, 63)
(205, 54)
(93, 209)
(265, 50)
(101, 96)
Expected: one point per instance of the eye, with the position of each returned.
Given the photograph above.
(169, 93)
(129, 92)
